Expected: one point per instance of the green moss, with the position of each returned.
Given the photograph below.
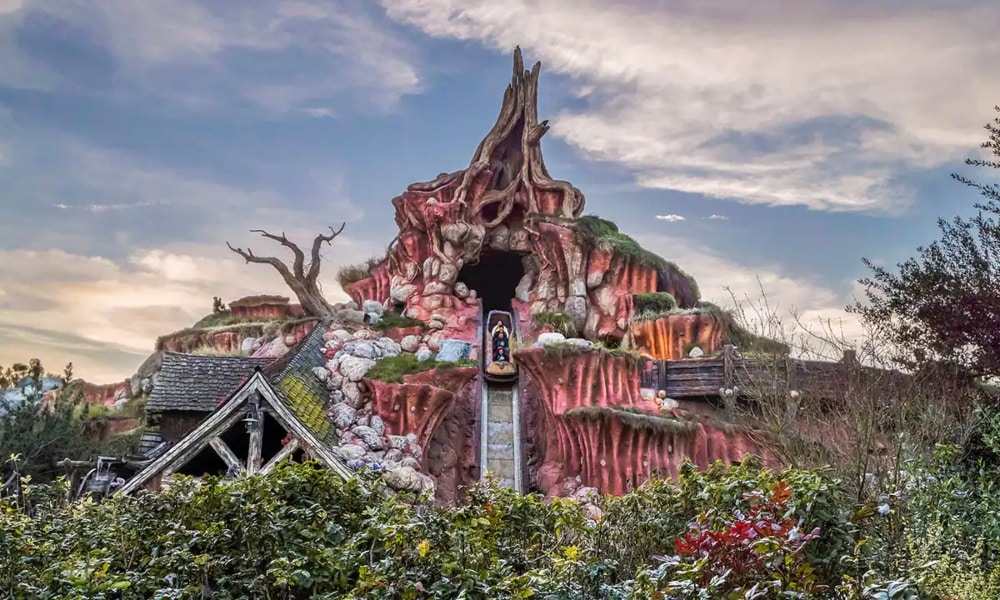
(306, 402)
(605, 234)
(657, 302)
(226, 319)
(391, 369)
(355, 273)
(634, 419)
(394, 320)
(559, 350)
(558, 321)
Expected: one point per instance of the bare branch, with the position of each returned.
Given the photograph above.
(317, 244)
(299, 265)
(250, 257)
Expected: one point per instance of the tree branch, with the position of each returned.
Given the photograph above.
(300, 258)
(317, 244)
(250, 257)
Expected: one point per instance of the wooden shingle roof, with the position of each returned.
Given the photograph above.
(197, 383)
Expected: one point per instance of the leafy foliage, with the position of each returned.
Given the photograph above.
(33, 436)
(943, 303)
(657, 302)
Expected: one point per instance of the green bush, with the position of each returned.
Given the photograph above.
(656, 302)
(558, 321)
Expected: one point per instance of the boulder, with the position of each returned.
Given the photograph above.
(551, 337)
(354, 368)
(350, 316)
(410, 343)
(368, 436)
(454, 350)
(349, 452)
(373, 306)
(424, 354)
(343, 415)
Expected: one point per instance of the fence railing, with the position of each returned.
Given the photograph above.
(699, 377)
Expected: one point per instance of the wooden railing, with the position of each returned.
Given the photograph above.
(701, 377)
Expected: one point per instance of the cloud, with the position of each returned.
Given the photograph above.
(717, 218)
(136, 203)
(823, 104)
(105, 315)
(670, 218)
(309, 56)
(816, 303)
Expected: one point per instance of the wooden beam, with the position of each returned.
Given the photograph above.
(222, 418)
(282, 454)
(226, 454)
(199, 445)
(256, 442)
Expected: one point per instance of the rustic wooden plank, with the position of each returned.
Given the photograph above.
(256, 442)
(226, 454)
(282, 454)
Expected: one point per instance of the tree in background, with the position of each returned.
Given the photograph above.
(33, 435)
(944, 304)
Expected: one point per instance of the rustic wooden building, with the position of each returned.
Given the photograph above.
(191, 386)
(275, 413)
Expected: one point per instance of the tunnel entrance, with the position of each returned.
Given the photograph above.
(494, 277)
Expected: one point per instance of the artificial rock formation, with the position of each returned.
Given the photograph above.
(592, 427)
(670, 337)
(505, 204)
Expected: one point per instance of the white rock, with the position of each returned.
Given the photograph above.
(360, 348)
(321, 373)
(424, 354)
(461, 290)
(352, 394)
(696, 352)
(342, 415)
(551, 337)
(397, 442)
(349, 452)
(343, 335)
(362, 334)
(409, 461)
(377, 424)
(336, 397)
(400, 294)
(355, 368)
(334, 381)
(372, 306)
(368, 436)
(247, 345)
(581, 343)
(389, 346)
(404, 478)
(410, 343)
(394, 455)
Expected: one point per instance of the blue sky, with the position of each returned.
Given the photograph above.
(138, 136)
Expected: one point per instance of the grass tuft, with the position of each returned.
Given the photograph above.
(391, 369)
(559, 321)
(394, 320)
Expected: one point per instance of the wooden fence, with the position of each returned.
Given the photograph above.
(701, 377)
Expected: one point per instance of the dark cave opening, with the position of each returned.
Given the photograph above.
(208, 461)
(494, 277)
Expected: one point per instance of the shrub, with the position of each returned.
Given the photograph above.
(657, 302)
(394, 320)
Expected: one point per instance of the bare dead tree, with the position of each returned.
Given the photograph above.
(302, 277)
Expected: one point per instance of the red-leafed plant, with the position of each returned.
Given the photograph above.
(757, 554)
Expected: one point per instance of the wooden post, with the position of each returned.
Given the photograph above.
(285, 452)
(256, 441)
(728, 368)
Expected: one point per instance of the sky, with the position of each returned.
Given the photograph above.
(771, 143)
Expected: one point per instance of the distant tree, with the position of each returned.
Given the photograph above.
(33, 436)
(944, 304)
(302, 278)
(218, 306)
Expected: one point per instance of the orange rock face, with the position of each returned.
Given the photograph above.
(593, 423)
(439, 407)
(666, 338)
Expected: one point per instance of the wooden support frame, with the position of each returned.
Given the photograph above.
(226, 454)
(282, 454)
(226, 416)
